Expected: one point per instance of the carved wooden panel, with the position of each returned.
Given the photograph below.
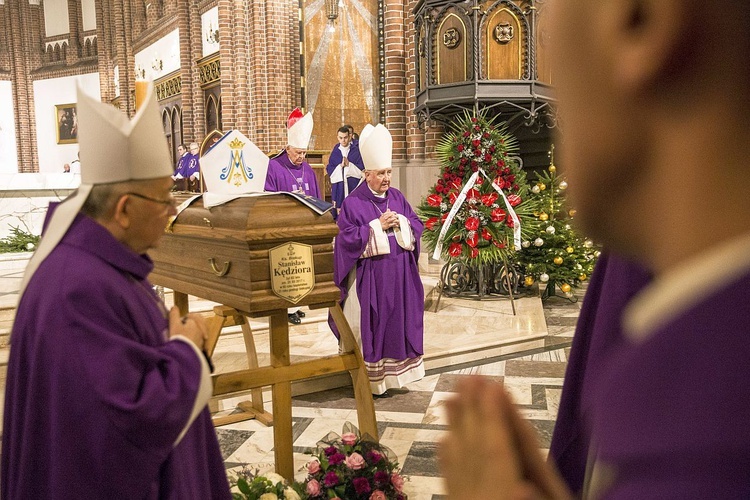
(505, 47)
(543, 66)
(422, 59)
(453, 44)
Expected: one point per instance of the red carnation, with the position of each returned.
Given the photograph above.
(430, 224)
(506, 171)
(473, 239)
(477, 152)
(487, 157)
(500, 163)
(460, 147)
(475, 143)
(434, 200)
(474, 253)
(455, 249)
(486, 234)
(471, 224)
(497, 215)
(514, 200)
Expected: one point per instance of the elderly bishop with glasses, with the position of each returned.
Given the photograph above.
(107, 391)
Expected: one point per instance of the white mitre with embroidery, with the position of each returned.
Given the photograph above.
(112, 149)
(299, 129)
(375, 146)
(234, 165)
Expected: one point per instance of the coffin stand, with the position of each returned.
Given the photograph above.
(222, 254)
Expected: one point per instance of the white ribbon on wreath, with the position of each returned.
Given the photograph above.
(460, 201)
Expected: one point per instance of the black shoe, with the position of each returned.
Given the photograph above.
(300, 314)
(294, 319)
(386, 394)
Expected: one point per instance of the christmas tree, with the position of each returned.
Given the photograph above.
(479, 207)
(556, 256)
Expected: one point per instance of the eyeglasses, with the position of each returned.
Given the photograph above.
(171, 202)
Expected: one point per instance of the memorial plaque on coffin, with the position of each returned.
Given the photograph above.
(222, 253)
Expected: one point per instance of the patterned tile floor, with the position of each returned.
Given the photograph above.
(412, 422)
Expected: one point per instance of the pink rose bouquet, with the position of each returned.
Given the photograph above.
(353, 467)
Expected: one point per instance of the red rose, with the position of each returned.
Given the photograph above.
(474, 164)
(515, 187)
(455, 249)
(486, 234)
(492, 148)
(497, 215)
(477, 128)
(511, 179)
(487, 157)
(489, 199)
(477, 152)
(500, 163)
(434, 200)
(506, 171)
(430, 224)
(439, 188)
(460, 147)
(473, 120)
(446, 175)
(514, 200)
(474, 253)
(486, 135)
(476, 143)
(451, 158)
(467, 133)
(473, 239)
(471, 224)
(452, 197)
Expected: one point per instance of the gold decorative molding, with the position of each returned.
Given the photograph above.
(168, 86)
(210, 70)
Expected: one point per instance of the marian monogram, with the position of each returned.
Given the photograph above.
(236, 171)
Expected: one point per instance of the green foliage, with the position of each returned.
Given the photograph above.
(18, 241)
(482, 230)
(556, 254)
(253, 486)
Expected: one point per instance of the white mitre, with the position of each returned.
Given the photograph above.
(299, 129)
(375, 146)
(112, 149)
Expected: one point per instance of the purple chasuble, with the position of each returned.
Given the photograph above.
(598, 335)
(669, 417)
(389, 288)
(337, 188)
(182, 165)
(283, 175)
(192, 166)
(96, 396)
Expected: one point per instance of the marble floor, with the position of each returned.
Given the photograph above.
(526, 351)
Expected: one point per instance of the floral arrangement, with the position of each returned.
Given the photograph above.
(349, 467)
(270, 486)
(482, 228)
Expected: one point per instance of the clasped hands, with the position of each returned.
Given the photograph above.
(490, 452)
(388, 220)
(192, 326)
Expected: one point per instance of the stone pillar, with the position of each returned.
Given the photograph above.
(394, 70)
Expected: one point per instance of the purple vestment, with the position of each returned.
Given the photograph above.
(337, 188)
(182, 164)
(96, 396)
(598, 335)
(669, 417)
(283, 175)
(389, 289)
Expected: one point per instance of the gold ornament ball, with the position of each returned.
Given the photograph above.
(529, 280)
(582, 276)
(570, 249)
(552, 168)
(542, 186)
(572, 212)
(558, 260)
(543, 216)
(565, 287)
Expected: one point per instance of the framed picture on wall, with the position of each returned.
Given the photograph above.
(66, 123)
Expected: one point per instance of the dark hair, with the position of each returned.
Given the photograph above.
(345, 129)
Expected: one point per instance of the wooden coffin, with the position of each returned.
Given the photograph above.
(222, 253)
